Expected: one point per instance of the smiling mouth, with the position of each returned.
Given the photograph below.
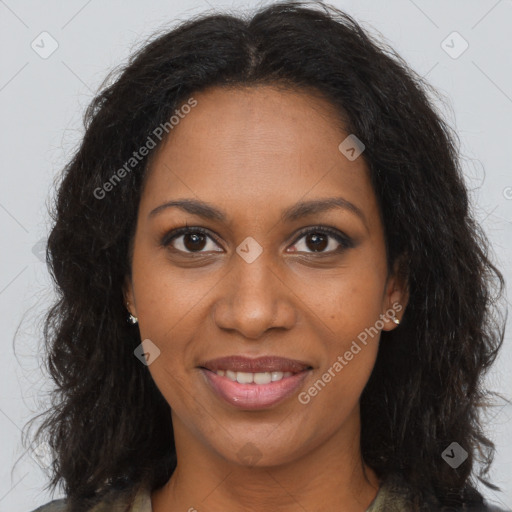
(249, 384)
(255, 391)
(254, 378)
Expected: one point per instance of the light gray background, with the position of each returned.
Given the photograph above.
(42, 102)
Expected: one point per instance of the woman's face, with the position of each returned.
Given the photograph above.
(253, 168)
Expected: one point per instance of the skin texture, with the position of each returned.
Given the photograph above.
(253, 152)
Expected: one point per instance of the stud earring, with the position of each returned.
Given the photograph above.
(132, 319)
(396, 320)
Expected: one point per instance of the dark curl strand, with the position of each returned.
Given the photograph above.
(109, 427)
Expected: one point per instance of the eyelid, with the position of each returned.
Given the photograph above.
(176, 233)
(344, 240)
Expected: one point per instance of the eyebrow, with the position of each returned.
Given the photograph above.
(293, 213)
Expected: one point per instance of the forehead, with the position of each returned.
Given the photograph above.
(246, 148)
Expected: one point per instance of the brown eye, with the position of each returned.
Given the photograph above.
(190, 240)
(322, 241)
(194, 241)
(316, 241)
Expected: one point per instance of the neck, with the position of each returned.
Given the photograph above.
(330, 478)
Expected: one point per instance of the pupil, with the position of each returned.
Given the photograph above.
(319, 242)
(196, 239)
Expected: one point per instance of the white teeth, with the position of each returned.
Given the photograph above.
(256, 378)
(277, 376)
(244, 378)
(262, 378)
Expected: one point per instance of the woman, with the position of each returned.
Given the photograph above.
(278, 211)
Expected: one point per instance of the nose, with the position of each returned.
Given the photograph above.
(254, 298)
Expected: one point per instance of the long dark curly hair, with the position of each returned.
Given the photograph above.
(109, 427)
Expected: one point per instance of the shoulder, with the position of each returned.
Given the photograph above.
(484, 507)
(135, 501)
(53, 506)
(396, 496)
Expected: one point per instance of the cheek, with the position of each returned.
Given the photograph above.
(338, 384)
(166, 299)
(353, 306)
(358, 309)
(359, 329)
(164, 308)
(352, 303)
(171, 373)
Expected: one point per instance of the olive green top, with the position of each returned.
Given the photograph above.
(393, 496)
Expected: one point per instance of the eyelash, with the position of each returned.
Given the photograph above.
(344, 241)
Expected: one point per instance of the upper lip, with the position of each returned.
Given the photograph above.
(255, 365)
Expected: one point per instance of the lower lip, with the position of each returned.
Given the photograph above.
(254, 396)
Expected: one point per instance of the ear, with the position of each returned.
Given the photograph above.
(129, 301)
(396, 295)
